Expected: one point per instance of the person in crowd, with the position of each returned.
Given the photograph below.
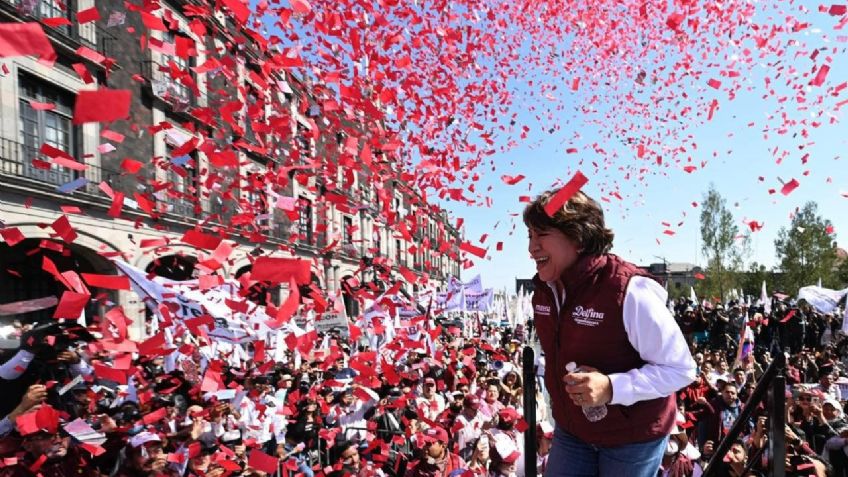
(826, 385)
(478, 464)
(737, 459)
(544, 440)
(512, 389)
(349, 412)
(814, 424)
(491, 405)
(437, 459)
(505, 458)
(347, 459)
(431, 403)
(469, 426)
(716, 416)
(605, 315)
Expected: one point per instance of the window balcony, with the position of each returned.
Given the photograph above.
(90, 35)
(16, 166)
(168, 89)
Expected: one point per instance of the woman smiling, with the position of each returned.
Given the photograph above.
(606, 321)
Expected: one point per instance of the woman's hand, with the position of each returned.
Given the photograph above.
(588, 387)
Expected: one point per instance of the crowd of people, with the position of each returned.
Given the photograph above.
(447, 406)
(425, 404)
(816, 431)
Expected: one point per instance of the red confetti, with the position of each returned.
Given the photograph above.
(472, 249)
(20, 39)
(88, 15)
(561, 197)
(102, 105)
(789, 187)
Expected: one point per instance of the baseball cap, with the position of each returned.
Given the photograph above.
(833, 402)
(508, 414)
(506, 448)
(435, 434)
(472, 401)
(429, 381)
(143, 438)
(545, 429)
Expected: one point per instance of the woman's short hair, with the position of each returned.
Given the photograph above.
(581, 219)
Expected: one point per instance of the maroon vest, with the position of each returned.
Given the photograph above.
(590, 331)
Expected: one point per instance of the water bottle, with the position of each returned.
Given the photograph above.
(592, 413)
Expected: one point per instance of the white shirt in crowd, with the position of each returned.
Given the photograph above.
(353, 416)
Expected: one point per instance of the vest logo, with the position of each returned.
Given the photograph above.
(587, 316)
(542, 310)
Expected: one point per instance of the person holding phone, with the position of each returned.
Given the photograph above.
(608, 318)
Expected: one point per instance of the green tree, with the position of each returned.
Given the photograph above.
(842, 273)
(805, 251)
(752, 281)
(720, 245)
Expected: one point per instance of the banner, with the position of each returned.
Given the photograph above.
(475, 285)
(822, 299)
(331, 321)
(186, 301)
(451, 301)
(480, 301)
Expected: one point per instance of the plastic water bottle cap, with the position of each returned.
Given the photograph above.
(571, 367)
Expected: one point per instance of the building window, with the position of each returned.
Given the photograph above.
(399, 253)
(52, 127)
(254, 110)
(375, 237)
(304, 220)
(347, 233)
(255, 196)
(182, 175)
(167, 78)
(303, 142)
(46, 9)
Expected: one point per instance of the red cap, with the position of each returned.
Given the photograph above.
(429, 381)
(435, 434)
(472, 401)
(509, 414)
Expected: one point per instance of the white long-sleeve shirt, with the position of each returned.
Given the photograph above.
(354, 415)
(657, 338)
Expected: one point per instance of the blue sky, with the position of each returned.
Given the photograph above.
(743, 155)
(737, 156)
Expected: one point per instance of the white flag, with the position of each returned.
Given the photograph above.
(764, 299)
(822, 299)
(845, 320)
(692, 295)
